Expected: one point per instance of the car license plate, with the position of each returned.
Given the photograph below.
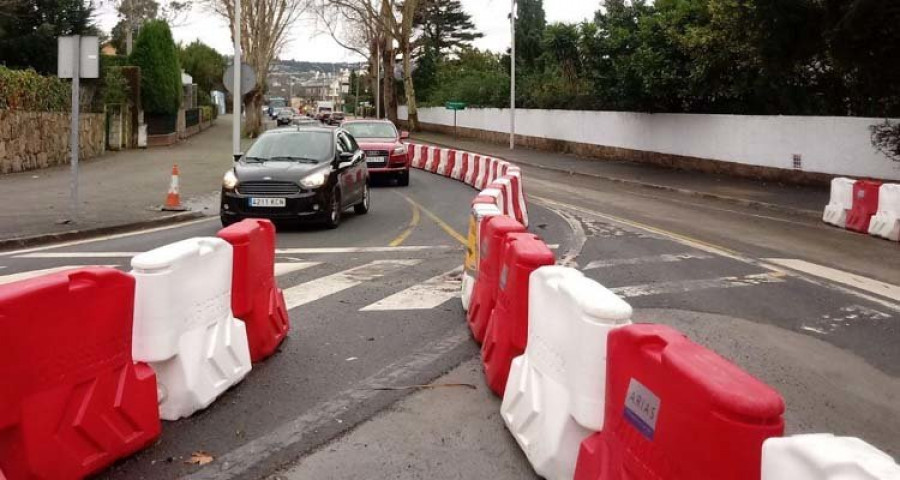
(268, 202)
(376, 159)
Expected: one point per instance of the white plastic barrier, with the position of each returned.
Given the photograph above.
(459, 158)
(519, 193)
(825, 457)
(183, 325)
(886, 223)
(418, 155)
(472, 169)
(496, 192)
(443, 159)
(482, 175)
(840, 203)
(556, 391)
(480, 211)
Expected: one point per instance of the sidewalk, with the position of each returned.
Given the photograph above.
(119, 188)
(803, 200)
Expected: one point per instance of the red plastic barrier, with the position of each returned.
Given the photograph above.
(449, 164)
(72, 400)
(865, 205)
(434, 159)
(507, 331)
(255, 298)
(493, 234)
(677, 411)
(520, 209)
(462, 172)
(418, 159)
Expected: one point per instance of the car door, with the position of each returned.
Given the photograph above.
(360, 168)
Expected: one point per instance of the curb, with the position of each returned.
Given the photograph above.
(683, 191)
(48, 238)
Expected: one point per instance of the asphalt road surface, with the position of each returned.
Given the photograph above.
(811, 310)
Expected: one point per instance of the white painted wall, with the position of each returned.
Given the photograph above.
(832, 145)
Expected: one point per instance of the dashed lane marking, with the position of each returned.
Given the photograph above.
(424, 296)
(664, 258)
(322, 287)
(15, 277)
(685, 286)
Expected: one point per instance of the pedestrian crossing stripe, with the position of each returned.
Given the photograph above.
(424, 296)
(313, 290)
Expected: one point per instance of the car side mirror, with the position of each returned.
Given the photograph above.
(238, 156)
(404, 135)
(345, 160)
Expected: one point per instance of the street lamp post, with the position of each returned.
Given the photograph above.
(236, 93)
(512, 76)
(378, 81)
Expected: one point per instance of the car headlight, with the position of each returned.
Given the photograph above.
(314, 180)
(230, 180)
(401, 150)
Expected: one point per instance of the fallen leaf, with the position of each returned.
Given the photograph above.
(199, 458)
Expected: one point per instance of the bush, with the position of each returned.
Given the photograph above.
(27, 90)
(155, 53)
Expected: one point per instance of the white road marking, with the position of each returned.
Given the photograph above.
(291, 267)
(424, 296)
(685, 286)
(883, 289)
(664, 258)
(322, 287)
(78, 255)
(15, 277)
(846, 317)
(107, 237)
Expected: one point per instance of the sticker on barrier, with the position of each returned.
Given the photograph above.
(507, 330)
(865, 205)
(480, 211)
(494, 231)
(73, 400)
(183, 325)
(675, 409)
(824, 456)
(255, 298)
(555, 394)
(886, 222)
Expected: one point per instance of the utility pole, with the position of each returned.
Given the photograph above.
(512, 76)
(378, 81)
(74, 128)
(129, 23)
(356, 106)
(236, 94)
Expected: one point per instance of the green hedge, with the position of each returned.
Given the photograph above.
(27, 90)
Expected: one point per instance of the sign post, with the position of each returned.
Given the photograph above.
(456, 107)
(77, 57)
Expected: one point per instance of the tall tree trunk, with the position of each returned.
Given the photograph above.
(409, 10)
(387, 83)
(253, 103)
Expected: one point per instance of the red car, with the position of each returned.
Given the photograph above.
(386, 154)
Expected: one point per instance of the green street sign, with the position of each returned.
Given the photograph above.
(455, 105)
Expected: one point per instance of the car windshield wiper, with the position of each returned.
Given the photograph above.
(293, 159)
(253, 159)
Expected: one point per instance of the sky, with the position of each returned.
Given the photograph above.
(490, 17)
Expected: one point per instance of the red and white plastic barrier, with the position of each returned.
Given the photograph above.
(865, 206)
(183, 324)
(72, 400)
(556, 390)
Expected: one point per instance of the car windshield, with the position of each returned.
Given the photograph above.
(371, 130)
(294, 146)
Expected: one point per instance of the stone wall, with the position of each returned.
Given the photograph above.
(33, 140)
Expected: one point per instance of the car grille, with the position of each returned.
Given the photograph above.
(268, 188)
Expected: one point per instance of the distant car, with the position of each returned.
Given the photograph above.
(285, 116)
(297, 174)
(336, 118)
(386, 154)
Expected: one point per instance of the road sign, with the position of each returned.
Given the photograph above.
(248, 78)
(455, 105)
(83, 50)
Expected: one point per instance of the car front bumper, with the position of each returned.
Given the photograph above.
(301, 206)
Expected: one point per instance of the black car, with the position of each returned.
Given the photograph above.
(297, 174)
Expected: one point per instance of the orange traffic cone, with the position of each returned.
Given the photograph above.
(173, 199)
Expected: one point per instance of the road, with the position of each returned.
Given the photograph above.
(811, 310)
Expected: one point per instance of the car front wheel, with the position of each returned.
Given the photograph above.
(334, 213)
(403, 179)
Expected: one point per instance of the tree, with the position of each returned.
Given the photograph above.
(264, 32)
(204, 64)
(28, 30)
(476, 77)
(135, 13)
(443, 26)
(530, 26)
(156, 54)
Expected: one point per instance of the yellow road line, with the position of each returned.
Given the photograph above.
(412, 225)
(447, 228)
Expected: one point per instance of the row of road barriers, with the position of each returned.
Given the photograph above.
(865, 206)
(92, 358)
(588, 395)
